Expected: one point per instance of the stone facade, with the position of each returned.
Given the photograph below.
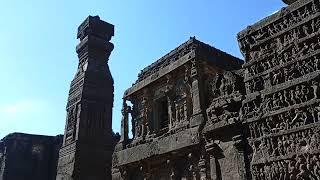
(178, 104)
(26, 157)
(198, 113)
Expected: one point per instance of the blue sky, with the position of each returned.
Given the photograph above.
(38, 39)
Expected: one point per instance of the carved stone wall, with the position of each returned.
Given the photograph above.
(24, 156)
(260, 122)
(280, 111)
(200, 88)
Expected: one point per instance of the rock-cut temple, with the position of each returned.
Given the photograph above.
(197, 113)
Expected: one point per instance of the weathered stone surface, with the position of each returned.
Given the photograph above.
(173, 102)
(199, 113)
(280, 112)
(26, 156)
(259, 122)
(88, 141)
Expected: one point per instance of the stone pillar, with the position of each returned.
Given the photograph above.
(87, 148)
(239, 145)
(124, 125)
(145, 172)
(169, 93)
(172, 169)
(124, 173)
(197, 94)
(202, 167)
(211, 149)
(193, 169)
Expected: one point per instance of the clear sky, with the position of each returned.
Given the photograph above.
(38, 39)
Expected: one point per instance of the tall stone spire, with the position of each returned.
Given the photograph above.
(87, 147)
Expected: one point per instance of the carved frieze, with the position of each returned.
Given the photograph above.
(225, 92)
(281, 79)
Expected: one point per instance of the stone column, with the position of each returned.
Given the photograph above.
(239, 145)
(124, 125)
(212, 149)
(145, 172)
(88, 142)
(172, 169)
(169, 94)
(193, 170)
(197, 94)
(202, 167)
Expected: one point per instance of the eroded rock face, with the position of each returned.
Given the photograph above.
(25, 156)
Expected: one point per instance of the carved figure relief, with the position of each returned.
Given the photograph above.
(182, 102)
(71, 125)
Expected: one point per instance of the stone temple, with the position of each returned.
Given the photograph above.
(197, 113)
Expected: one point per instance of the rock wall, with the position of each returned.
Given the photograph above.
(29, 157)
(282, 76)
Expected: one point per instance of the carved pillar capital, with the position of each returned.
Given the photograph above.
(195, 65)
(124, 173)
(238, 143)
(212, 148)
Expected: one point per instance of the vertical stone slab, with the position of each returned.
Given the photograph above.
(88, 140)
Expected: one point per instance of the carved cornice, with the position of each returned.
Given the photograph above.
(191, 50)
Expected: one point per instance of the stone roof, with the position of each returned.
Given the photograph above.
(191, 49)
(191, 45)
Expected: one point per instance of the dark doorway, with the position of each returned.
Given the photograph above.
(163, 114)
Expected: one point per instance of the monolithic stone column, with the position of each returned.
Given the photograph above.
(197, 96)
(212, 150)
(88, 142)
